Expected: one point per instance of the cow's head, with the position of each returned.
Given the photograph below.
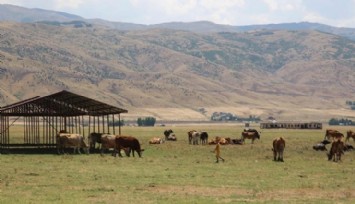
(140, 152)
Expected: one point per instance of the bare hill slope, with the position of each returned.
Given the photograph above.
(169, 74)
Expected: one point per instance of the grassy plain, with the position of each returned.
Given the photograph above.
(176, 172)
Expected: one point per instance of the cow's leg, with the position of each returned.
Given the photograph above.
(58, 149)
(102, 151)
(275, 154)
(132, 152)
(119, 152)
(281, 156)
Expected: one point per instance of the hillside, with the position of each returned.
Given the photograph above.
(170, 74)
(31, 15)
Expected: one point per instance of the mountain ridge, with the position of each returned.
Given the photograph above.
(172, 73)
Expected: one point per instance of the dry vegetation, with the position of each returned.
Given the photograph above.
(176, 172)
(288, 74)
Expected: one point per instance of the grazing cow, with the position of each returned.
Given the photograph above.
(336, 151)
(250, 135)
(204, 137)
(167, 133)
(156, 140)
(350, 134)
(321, 145)
(189, 135)
(333, 134)
(68, 140)
(278, 149)
(128, 142)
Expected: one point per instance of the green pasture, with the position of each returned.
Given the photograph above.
(176, 172)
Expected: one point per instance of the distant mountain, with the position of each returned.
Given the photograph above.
(171, 74)
(25, 15)
(294, 71)
(20, 14)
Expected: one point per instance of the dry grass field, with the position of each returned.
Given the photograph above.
(176, 172)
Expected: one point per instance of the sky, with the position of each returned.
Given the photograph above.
(339, 13)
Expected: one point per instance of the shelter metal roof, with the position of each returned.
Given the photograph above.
(63, 103)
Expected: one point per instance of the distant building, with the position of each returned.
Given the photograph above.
(291, 125)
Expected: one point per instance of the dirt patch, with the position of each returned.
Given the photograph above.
(254, 195)
(199, 190)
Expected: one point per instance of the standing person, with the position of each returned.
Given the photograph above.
(217, 150)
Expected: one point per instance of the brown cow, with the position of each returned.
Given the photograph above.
(350, 134)
(333, 134)
(128, 142)
(68, 140)
(250, 135)
(278, 145)
(336, 151)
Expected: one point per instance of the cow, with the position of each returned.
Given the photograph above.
(156, 140)
(171, 137)
(195, 137)
(250, 135)
(107, 142)
(278, 145)
(204, 137)
(237, 141)
(167, 133)
(69, 140)
(128, 142)
(350, 134)
(348, 147)
(220, 140)
(336, 151)
(189, 135)
(332, 134)
(93, 139)
(321, 145)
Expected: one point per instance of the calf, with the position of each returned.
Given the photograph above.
(278, 149)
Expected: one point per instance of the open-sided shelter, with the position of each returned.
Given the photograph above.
(43, 117)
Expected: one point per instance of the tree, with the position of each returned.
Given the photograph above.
(148, 121)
